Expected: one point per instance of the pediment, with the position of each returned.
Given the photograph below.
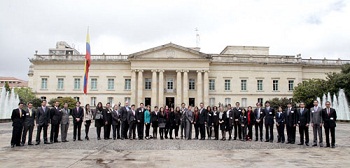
(169, 51)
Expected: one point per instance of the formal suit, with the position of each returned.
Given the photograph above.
(42, 122)
(250, 123)
(132, 124)
(291, 122)
(316, 121)
(124, 112)
(269, 122)
(259, 118)
(154, 121)
(18, 117)
(64, 124)
(188, 125)
(216, 124)
(169, 121)
(202, 120)
(303, 120)
(236, 115)
(28, 125)
(116, 124)
(77, 113)
(280, 120)
(183, 122)
(56, 116)
(243, 121)
(229, 120)
(329, 116)
(140, 117)
(107, 119)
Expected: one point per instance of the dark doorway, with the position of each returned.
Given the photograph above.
(169, 101)
(147, 101)
(191, 102)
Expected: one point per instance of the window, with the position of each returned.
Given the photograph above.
(59, 97)
(211, 84)
(127, 85)
(110, 100)
(191, 84)
(244, 102)
(170, 84)
(43, 98)
(291, 85)
(227, 101)
(93, 101)
(260, 100)
(60, 84)
(212, 102)
(275, 85)
(76, 98)
(93, 84)
(243, 85)
(110, 84)
(43, 83)
(227, 85)
(148, 83)
(260, 85)
(127, 99)
(77, 84)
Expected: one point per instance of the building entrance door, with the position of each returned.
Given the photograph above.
(191, 102)
(169, 101)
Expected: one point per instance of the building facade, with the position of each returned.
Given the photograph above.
(171, 74)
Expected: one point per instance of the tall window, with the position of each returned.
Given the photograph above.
(110, 100)
(261, 100)
(60, 83)
(211, 102)
(110, 84)
(93, 84)
(191, 84)
(260, 85)
(227, 101)
(244, 85)
(244, 102)
(291, 85)
(170, 84)
(93, 101)
(76, 98)
(127, 84)
(43, 98)
(43, 83)
(275, 85)
(211, 84)
(77, 84)
(148, 83)
(127, 99)
(227, 84)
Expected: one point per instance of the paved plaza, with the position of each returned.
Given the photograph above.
(173, 153)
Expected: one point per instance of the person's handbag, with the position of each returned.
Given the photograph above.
(161, 125)
(98, 116)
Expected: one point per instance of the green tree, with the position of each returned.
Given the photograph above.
(71, 101)
(309, 90)
(276, 102)
(25, 94)
(7, 86)
(336, 81)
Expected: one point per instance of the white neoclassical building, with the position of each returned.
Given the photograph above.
(171, 74)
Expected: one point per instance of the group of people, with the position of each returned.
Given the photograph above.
(166, 121)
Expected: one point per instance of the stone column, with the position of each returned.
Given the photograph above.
(161, 88)
(154, 88)
(178, 88)
(139, 88)
(185, 86)
(199, 88)
(206, 88)
(133, 87)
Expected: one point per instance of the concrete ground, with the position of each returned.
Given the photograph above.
(173, 153)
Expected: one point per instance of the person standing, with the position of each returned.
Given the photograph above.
(161, 123)
(236, 114)
(269, 121)
(42, 122)
(154, 120)
(98, 116)
(140, 117)
(28, 125)
(250, 122)
(243, 124)
(316, 123)
(132, 122)
(216, 122)
(229, 120)
(182, 120)
(329, 116)
(107, 119)
(188, 123)
(167, 121)
(303, 120)
(196, 122)
(124, 112)
(56, 116)
(18, 117)
(116, 122)
(202, 120)
(87, 120)
(291, 122)
(177, 122)
(78, 114)
(172, 122)
(210, 122)
(259, 118)
(65, 122)
(280, 121)
(147, 117)
(222, 118)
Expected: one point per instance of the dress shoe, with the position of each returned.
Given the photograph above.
(307, 144)
(30, 144)
(327, 146)
(80, 140)
(73, 139)
(288, 143)
(57, 142)
(12, 146)
(261, 140)
(113, 138)
(38, 143)
(300, 144)
(47, 143)
(333, 146)
(256, 139)
(278, 141)
(282, 141)
(267, 141)
(292, 143)
(314, 145)
(22, 144)
(321, 145)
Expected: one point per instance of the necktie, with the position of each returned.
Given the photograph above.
(328, 111)
(30, 112)
(279, 115)
(20, 113)
(259, 113)
(301, 111)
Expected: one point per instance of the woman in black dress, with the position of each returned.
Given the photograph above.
(177, 122)
(216, 122)
(195, 122)
(222, 118)
(161, 123)
(98, 116)
(210, 122)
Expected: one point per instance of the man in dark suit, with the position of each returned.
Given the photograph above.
(18, 117)
(55, 115)
(42, 122)
(154, 121)
(132, 122)
(140, 117)
(329, 116)
(116, 122)
(77, 114)
(229, 121)
(303, 120)
(107, 118)
(280, 121)
(269, 115)
(202, 120)
(259, 118)
(290, 123)
(28, 125)
(124, 120)
(237, 111)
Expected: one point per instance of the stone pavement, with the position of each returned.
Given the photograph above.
(173, 153)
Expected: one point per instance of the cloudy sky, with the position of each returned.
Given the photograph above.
(313, 28)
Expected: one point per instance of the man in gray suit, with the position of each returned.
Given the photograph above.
(28, 124)
(132, 122)
(65, 122)
(316, 122)
(189, 120)
(42, 122)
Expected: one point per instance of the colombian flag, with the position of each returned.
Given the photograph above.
(87, 62)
